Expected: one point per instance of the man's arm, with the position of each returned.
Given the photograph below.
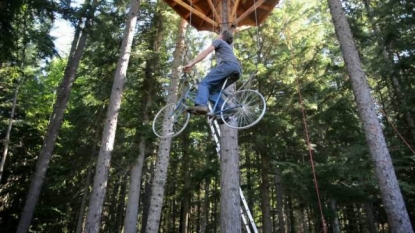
(199, 57)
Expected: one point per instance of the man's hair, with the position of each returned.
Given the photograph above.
(227, 36)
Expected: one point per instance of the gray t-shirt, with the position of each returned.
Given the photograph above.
(224, 52)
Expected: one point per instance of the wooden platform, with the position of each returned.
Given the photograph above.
(206, 15)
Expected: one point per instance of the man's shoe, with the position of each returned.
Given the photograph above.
(201, 110)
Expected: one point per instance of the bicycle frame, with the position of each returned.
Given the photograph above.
(240, 109)
(191, 95)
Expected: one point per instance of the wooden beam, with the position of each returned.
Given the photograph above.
(215, 13)
(249, 11)
(196, 12)
(267, 8)
(229, 13)
(235, 7)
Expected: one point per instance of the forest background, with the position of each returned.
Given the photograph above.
(295, 52)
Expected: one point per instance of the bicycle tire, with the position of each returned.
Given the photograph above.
(246, 109)
(174, 112)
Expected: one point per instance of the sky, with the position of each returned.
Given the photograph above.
(63, 33)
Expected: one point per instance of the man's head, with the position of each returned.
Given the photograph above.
(227, 36)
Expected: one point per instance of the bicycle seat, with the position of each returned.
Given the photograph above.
(233, 77)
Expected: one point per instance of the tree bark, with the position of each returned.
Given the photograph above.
(160, 174)
(130, 221)
(55, 121)
(80, 222)
(265, 197)
(121, 205)
(108, 134)
(81, 215)
(230, 206)
(370, 218)
(205, 209)
(186, 196)
(395, 81)
(385, 173)
(280, 201)
(230, 200)
(157, 189)
(6, 140)
(147, 197)
(291, 215)
(335, 222)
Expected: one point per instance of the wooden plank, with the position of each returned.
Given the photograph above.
(249, 11)
(229, 13)
(215, 13)
(234, 9)
(196, 12)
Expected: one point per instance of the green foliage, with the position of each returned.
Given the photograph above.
(294, 52)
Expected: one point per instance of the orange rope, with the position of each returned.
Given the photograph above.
(397, 132)
(311, 157)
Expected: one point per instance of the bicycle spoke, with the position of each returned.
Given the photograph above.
(170, 120)
(249, 109)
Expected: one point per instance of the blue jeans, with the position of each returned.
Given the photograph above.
(211, 85)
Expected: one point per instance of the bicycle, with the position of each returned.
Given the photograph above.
(242, 109)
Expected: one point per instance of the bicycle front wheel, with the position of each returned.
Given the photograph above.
(243, 109)
(171, 120)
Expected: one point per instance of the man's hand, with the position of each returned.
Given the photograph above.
(198, 58)
(187, 67)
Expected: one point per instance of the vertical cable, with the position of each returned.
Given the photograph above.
(257, 38)
(323, 221)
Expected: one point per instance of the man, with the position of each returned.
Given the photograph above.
(227, 64)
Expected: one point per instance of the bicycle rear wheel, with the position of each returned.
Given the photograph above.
(171, 120)
(243, 109)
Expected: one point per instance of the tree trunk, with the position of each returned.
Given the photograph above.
(215, 215)
(160, 174)
(147, 198)
(230, 206)
(157, 189)
(186, 196)
(385, 173)
(335, 223)
(230, 200)
(6, 140)
(291, 215)
(121, 205)
(370, 218)
(305, 220)
(93, 221)
(80, 222)
(184, 210)
(395, 82)
(81, 217)
(130, 221)
(280, 201)
(265, 197)
(55, 121)
(205, 210)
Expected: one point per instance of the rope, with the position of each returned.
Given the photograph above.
(396, 131)
(311, 157)
(257, 37)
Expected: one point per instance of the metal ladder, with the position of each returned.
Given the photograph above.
(245, 212)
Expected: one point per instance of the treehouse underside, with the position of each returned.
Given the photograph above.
(207, 15)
